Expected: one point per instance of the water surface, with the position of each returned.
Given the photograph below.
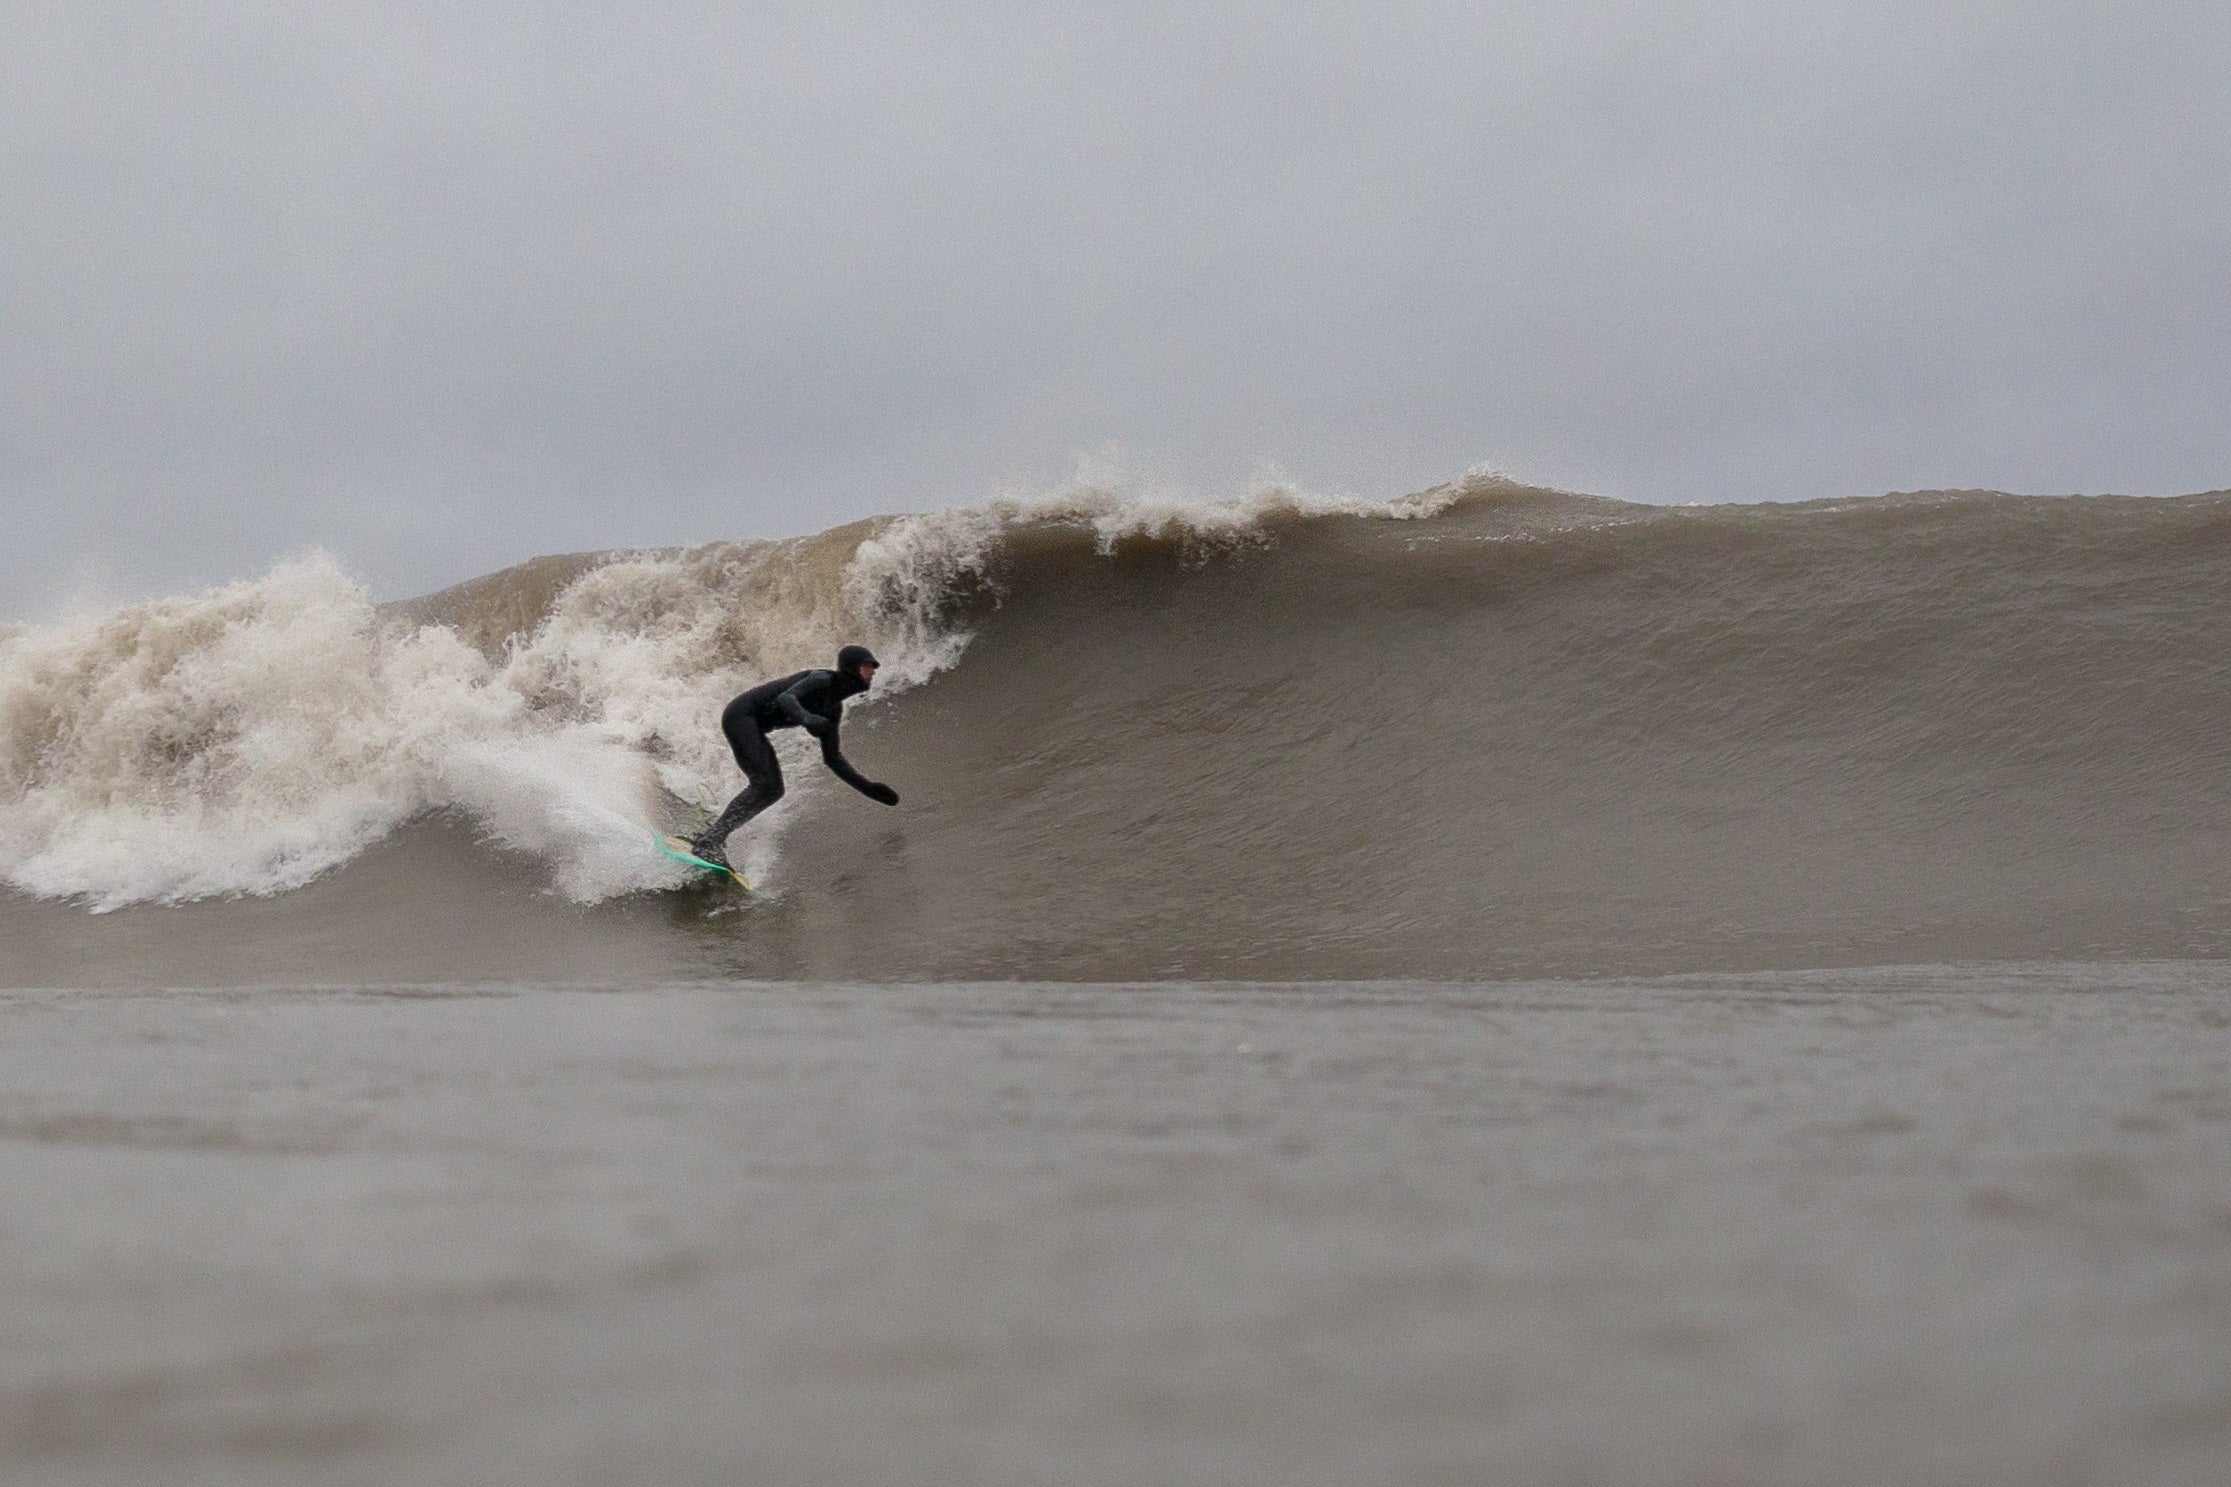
(1855, 1227)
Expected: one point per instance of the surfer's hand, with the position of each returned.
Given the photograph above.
(883, 793)
(816, 725)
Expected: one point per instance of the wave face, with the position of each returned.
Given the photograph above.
(1488, 730)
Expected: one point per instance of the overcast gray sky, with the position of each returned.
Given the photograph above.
(442, 286)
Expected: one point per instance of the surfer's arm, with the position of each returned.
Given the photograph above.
(842, 768)
(798, 713)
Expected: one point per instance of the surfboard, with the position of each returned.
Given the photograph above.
(677, 847)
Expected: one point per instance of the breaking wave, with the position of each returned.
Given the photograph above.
(1486, 730)
(247, 739)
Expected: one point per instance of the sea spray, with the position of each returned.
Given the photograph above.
(240, 740)
(246, 739)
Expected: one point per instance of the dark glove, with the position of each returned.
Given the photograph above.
(816, 725)
(883, 793)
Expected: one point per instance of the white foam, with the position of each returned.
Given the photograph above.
(949, 543)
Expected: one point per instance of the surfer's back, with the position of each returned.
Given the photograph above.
(758, 704)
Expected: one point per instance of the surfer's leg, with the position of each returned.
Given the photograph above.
(756, 756)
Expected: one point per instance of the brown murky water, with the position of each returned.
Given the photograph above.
(1923, 1225)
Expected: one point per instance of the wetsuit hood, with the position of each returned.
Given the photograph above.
(852, 658)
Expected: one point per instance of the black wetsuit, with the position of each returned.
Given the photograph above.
(812, 700)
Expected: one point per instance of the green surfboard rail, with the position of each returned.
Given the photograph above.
(678, 849)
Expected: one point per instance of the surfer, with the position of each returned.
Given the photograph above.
(812, 700)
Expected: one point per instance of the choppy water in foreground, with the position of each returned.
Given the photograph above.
(1951, 1225)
